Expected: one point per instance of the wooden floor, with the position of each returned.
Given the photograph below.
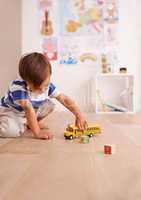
(68, 170)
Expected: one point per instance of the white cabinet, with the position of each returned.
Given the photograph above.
(114, 93)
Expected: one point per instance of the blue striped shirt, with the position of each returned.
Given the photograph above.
(18, 90)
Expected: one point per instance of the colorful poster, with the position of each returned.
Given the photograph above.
(69, 50)
(45, 4)
(74, 50)
(80, 17)
(77, 31)
(49, 47)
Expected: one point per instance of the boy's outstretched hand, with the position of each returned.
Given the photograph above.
(81, 122)
(45, 135)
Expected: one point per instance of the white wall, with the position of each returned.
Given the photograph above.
(130, 39)
(75, 80)
(10, 41)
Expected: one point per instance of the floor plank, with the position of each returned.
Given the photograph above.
(60, 169)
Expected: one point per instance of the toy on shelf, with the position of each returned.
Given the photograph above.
(123, 70)
(73, 132)
(104, 64)
(109, 149)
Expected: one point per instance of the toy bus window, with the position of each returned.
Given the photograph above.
(69, 129)
(77, 130)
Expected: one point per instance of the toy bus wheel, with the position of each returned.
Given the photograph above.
(70, 137)
(90, 135)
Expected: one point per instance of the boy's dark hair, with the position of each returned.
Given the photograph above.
(34, 68)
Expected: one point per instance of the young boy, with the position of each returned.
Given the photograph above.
(28, 99)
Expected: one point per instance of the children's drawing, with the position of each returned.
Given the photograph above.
(88, 26)
(88, 56)
(111, 12)
(81, 17)
(45, 4)
(111, 36)
(100, 2)
(47, 28)
(69, 50)
(50, 48)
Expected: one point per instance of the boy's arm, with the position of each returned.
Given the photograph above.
(70, 105)
(32, 119)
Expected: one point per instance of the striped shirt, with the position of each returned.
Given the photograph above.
(18, 90)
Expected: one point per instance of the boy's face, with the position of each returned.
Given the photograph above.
(42, 88)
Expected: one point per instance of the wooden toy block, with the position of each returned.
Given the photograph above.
(109, 149)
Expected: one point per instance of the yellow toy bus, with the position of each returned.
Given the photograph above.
(73, 131)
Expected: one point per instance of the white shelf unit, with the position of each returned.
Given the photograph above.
(114, 93)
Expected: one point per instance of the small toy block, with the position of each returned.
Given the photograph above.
(84, 139)
(109, 149)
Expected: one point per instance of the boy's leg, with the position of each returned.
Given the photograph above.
(10, 124)
(45, 110)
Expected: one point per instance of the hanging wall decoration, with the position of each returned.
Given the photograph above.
(47, 28)
(69, 49)
(49, 47)
(45, 4)
(84, 30)
(80, 17)
(49, 41)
